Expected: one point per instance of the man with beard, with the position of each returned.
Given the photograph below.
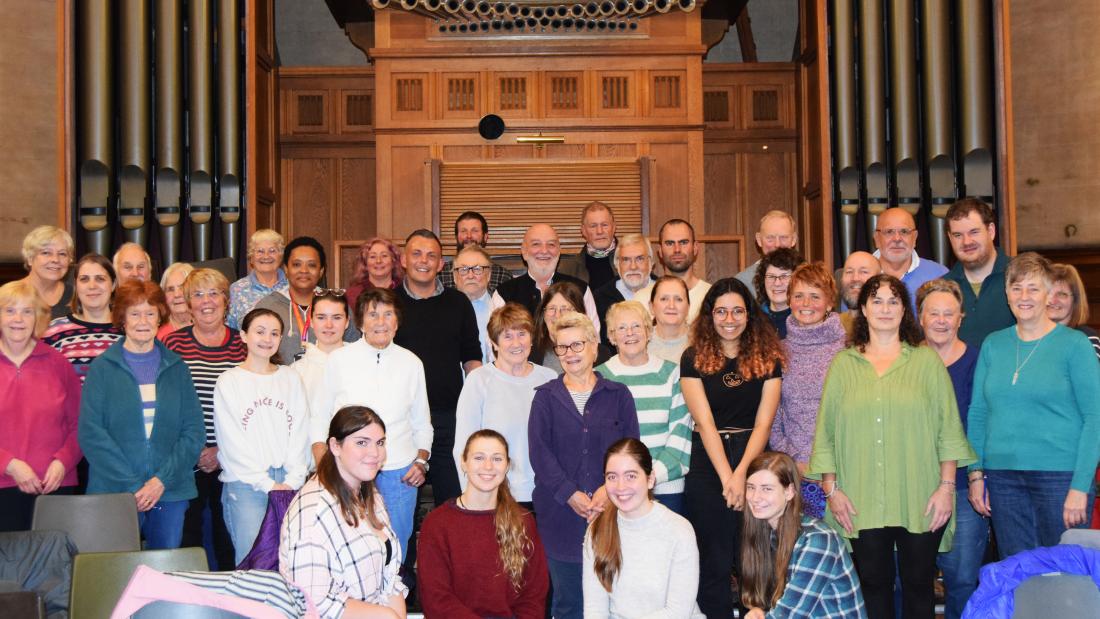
(980, 270)
(633, 262)
(593, 262)
(896, 240)
(858, 268)
(678, 251)
(472, 229)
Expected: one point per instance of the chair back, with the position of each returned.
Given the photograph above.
(1065, 596)
(1089, 538)
(94, 522)
(26, 604)
(99, 578)
(163, 609)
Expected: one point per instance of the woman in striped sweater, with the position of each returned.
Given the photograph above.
(663, 416)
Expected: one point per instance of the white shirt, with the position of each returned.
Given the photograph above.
(390, 381)
(262, 422)
(311, 368)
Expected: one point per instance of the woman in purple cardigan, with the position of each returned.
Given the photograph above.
(814, 337)
(574, 419)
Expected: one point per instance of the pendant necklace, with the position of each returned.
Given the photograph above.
(1020, 366)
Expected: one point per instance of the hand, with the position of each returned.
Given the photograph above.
(1075, 510)
(281, 486)
(147, 496)
(842, 509)
(54, 474)
(733, 489)
(415, 476)
(580, 503)
(24, 476)
(755, 613)
(979, 499)
(598, 503)
(802, 466)
(940, 505)
(208, 460)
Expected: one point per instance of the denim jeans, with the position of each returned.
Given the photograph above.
(400, 501)
(568, 592)
(1027, 508)
(162, 525)
(673, 501)
(244, 509)
(960, 565)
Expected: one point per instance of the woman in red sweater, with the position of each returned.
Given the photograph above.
(456, 580)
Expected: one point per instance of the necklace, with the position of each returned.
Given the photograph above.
(1020, 366)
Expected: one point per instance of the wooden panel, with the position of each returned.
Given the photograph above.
(767, 182)
(564, 151)
(564, 93)
(409, 176)
(716, 106)
(723, 210)
(625, 151)
(618, 93)
(461, 95)
(409, 94)
(514, 95)
(358, 213)
(463, 153)
(514, 151)
(310, 187)
(357, 107)
(667, 93)
(308, 111)
(671, 174)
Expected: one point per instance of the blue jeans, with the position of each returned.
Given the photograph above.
(568, 593)
(960, 565)
(162, 525)
(1027, 508)
(400, 501)
(244, 508)
(674, 501)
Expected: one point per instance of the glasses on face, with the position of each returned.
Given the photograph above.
(892, 232)
(721, 313)
(477, 270)
(561, 349)
(213, 293)
(775, 279)
(633, 260)
(554, 310)
(329, 292)
(628, 329)
(267, 251)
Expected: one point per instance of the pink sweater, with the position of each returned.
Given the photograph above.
(39, 404)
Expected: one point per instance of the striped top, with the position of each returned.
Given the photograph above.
(663, 418)
(206, 364)
(80, 341)
(144, 366)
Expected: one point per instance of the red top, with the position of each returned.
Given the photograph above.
(39, 406)
(460, 573)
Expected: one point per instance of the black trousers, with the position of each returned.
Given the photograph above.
(210, 495)
(873, 553)
(442, 471)
(17, 507)
(717, 527)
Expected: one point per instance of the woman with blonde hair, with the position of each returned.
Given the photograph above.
(669, 304)
(640, 558)
(87, 331)
(39, 405)
(377, 265)
(480, 554)
(265, 255)
(47, 256)
(179, 311)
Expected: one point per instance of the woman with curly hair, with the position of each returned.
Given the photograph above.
(480, 554)
(377, 265)
(730, 378)
(887, 442)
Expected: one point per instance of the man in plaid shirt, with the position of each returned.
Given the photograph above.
(470, 229)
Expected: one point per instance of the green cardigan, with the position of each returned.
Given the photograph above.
(112, 429)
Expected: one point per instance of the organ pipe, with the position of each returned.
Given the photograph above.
(872, 81)
(975, 98)
(229, 133)
(903, 105)
(939, 145)
(96, 119)
(847, 141)
(134, 94)
(169, 126)
(201, 123)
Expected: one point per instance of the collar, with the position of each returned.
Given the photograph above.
(549, 281)
(627, 293)
(280, 280)
(914, 261)
(601, 253)
(435, 293)
(483, 300)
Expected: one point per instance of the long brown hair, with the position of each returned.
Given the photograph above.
(543, 342)
(508, 520)
(763, 566)
(606, 545)
(353, 505)
(759, 348)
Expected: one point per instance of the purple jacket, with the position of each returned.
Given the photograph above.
(809, 350)
(567, 452)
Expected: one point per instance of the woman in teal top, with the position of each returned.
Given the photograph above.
(1034, 419)
(887, 442)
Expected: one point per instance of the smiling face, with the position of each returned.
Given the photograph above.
(513, 346)
(809, 304)
(940, 317)
(776, 282)
(884, 310)
(141, 323)
(670, 304)
(678, 248)
(266, 257)
(329, 322)
(485, 464)
(730, 316)
(131, 263)
(303, 269)
(858, 268)
(471, 283)
(470, 232)
(208, 305)
(895, 236)
(767, 497)
(776, 232)
(93, 287)
(380, 263)
(971, 240)
(627, 485)
(541, 250)
(17, 323)
(634, 266)
(627, 331)
(422, 260)
(557, 306)
(1027, 298)
(360, 455)
(576, 364)
(51, 263)
(173, 293)
(598, 228)
(1060, 303)
(262, 337)
(379, 324)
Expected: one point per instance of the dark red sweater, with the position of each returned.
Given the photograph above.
(460, 574)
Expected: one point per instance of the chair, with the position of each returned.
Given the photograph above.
(174, 610)
(1065, 596)
(94, 522)
(1089, 538)
(24, 604)
(100, 577)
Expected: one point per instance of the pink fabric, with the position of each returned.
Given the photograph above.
(148, 585)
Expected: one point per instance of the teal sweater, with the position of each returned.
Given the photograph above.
(1050, 419)
(112, 430)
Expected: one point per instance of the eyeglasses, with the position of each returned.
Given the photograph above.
(721, 313)
(634, 260)
(329, 292)
(554, 310)
(892, 232)
(774, 279)
(477, 270)
(267, 251)
(213, 293)
(631, 328)
(561, 349)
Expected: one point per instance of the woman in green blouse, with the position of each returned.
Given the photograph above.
(887, 442)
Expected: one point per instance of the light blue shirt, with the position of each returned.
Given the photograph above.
(483, 307)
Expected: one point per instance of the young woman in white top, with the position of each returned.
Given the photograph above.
(640, 557)
(261, 418)
(329, 317)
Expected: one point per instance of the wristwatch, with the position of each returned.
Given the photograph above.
(423, 463)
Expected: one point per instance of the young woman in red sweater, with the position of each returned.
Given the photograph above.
(455, 579)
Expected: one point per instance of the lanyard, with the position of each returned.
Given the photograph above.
(301, 318)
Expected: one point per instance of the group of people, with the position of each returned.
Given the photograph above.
(596, 437)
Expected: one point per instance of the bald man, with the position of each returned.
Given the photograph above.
(541, 251)
(858, 268)
(132, 262)
(896, 240)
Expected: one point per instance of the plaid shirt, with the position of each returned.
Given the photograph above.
(331, 560)
(497, 276)
(821, 580)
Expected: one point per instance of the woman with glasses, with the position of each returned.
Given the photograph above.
(559, 299)
(574, 419)
(209, 348)
(47, 256)
(731, 379)
(772, 283)
(179, 310)
(265, 255)
(377, 265)
(663, 418)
